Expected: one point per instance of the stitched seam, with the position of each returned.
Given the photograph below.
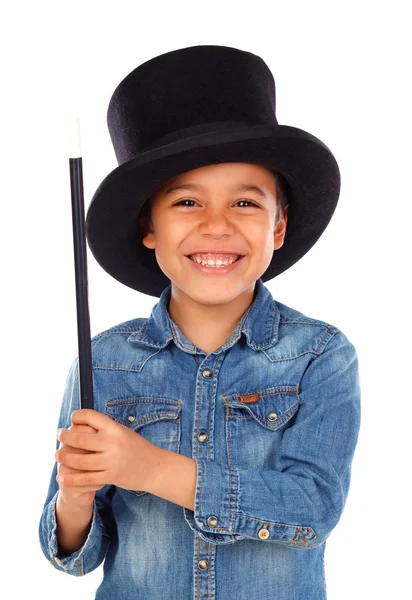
(179, 435)
(266, 392)
(198, 416)
(242, 516)
(253, 537)
(211, 572)
(209, 442)
(235, 500)
(153, 344)
(109, 331)
(214, 386)
(197, 572)
(228, 437)
(103, 368)
(126, 402)
(325, 335)
(230, 500)
(201, 482)
(308, 321)
(291, 357)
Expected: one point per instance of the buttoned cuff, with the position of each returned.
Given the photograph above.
(74, 563)
(215, 506)
(218, 517)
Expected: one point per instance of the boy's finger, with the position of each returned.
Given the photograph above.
(81, 479)
(84, 428)
(87, 461)
(64, 469)
(93, 418)
(77, 439)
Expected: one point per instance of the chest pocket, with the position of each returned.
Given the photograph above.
(158, 420)
(255, 424)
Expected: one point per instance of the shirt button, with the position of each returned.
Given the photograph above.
(203, 564)
(202, 437)
(272, 416)
(131, 418)
(212, 521)
(207, 373)
(263, 533)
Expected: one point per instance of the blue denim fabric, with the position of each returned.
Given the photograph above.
(281, 409)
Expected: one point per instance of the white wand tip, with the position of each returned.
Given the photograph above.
(73, 137)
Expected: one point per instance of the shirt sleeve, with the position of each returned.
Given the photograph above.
(301, 501)
(93, 551)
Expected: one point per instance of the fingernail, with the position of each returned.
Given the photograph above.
(60, 478)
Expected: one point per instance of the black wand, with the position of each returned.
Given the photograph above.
(80, 265)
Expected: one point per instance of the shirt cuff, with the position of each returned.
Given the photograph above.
(215, 506)
(74, 563)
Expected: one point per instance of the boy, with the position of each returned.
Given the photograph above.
(225, 424)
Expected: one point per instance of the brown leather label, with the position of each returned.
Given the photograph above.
(249, 398)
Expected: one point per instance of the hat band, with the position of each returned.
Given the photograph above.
(188, 132)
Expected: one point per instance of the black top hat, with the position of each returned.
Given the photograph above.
(190, 108)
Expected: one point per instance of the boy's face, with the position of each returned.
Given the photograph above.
(216, 219)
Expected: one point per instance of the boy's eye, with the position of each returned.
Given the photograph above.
(190, 200)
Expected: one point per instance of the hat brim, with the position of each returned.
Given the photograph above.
(112, 230)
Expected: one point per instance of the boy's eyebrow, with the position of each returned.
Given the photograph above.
(195, 186)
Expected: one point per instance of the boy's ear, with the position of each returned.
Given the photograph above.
(146, 231)
(280, 230)
(149, 240)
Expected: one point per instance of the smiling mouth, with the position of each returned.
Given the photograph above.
(198, 263)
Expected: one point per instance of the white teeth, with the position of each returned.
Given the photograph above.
(213, 263)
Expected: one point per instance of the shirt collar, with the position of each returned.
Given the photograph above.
(259, 324)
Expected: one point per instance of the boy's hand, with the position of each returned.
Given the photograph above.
(115, 454)
(77, 497)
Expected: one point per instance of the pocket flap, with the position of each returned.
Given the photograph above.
(271, 407)
(138, 411)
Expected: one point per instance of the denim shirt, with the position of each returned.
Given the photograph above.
(271, 419)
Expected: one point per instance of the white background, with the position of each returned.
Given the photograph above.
(342, 73)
